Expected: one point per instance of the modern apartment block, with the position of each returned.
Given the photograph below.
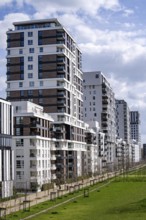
(6, 153)
(34, 149)
(44, 66)
(99, 105)
(135, 126)
(123, 120)
(95, 148)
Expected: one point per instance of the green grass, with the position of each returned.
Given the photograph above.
(123, 199)
(118, 201)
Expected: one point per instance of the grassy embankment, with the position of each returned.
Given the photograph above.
(124, 198)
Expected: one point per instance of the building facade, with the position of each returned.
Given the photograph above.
(123, 120)
(6, 153)
(44, 66)
(135, 126)
(99, 105)
(34, 149)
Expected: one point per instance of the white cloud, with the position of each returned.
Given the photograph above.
(5, 3)
(90, 7)
(128, 12)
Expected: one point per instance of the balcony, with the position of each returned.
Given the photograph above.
(60, 35)
(34, 124)
(61, 110)
(61, 60)
(61, 76)
(53, 157)
(61, 102)
(105, 102)
(53, 167)
(60, 68)
(61, 93)
(53, 176)
(61, 84)
(35, 133)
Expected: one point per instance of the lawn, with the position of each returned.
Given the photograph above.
(124, 198)
(117, 201)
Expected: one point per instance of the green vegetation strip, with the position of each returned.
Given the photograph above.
(117, 201)
(124, 198)
(48, 205)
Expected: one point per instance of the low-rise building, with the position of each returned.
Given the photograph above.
(34, 149)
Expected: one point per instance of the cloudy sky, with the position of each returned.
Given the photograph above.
(110, 33)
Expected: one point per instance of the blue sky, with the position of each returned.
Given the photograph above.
(110, 33)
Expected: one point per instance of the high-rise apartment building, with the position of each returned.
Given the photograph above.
(44, 67)
(99, 105)
(124, 148)
(6, 153)
(123, 120)
(135, 126)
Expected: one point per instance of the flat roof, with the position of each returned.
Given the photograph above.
(40, 21)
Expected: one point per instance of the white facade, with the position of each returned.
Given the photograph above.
(33, 153)
(123, 120)
(99, 105)
(6, 153)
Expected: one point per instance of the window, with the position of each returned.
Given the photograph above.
(95, 114)
(30, 58)
(20, 51)
(18, 108)
(20, 84)
(19, 120)
(41, 83)
(19, 163)
(21, 59)
(41, 49)
(40, 75)
(97, 76)
(8, 94)
(31, 84)
(30, 92)
(40, 101)
(30, 75)
(21, 76)
(21, 67)
(18, 131)
(22, 93)
(30, 42)
(19, 142)
(93, 97)
(30, 67)
(40, 91)
(20, 175)
(8, 85)
(30, 34)
(31, 50)
(8, 52)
